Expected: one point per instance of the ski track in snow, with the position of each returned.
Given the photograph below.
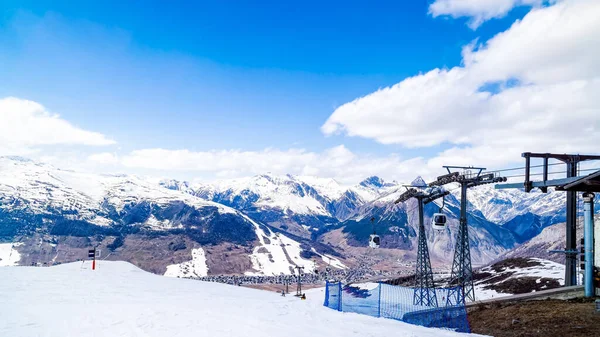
(119, 299)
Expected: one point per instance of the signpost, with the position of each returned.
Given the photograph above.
(92, 255)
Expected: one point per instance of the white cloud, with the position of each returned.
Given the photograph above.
(25, 125)
(546, 78)
(478, 11)
(337, 162)
(103, 158)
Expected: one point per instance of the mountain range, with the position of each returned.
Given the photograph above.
(265, 224)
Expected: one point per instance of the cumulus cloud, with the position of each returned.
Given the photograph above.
(337, 162)
(24, 125)
(533, 87)
(478, 11)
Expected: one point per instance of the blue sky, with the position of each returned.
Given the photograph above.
(224, 75)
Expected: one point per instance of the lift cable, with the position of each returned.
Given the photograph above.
(550, 173)
(520, 168)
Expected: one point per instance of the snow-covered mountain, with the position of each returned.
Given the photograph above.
(312, 207)
(55, 215)
(525, 214)
(263, 224)
(297, 204)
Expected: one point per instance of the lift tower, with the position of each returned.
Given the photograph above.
(424, 287)
(462, 272)
(299, 285)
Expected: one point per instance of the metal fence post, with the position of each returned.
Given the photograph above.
(326, 303)
(379, 302)
(340, 296)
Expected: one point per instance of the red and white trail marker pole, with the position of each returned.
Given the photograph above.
(92, 254)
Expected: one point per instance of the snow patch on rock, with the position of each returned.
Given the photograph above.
(197, 267)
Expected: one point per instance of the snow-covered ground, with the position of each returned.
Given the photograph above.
(9, 255)
(119, 299)
(195, 268)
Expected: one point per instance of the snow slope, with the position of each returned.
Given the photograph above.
(9, 256)
(119, 299)
(277, 254)
(195, 268)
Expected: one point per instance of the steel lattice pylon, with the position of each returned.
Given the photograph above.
(424, 287)
(462, 274)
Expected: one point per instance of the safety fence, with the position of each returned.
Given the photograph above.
(396, 302)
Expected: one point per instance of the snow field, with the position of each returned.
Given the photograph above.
(119, 299)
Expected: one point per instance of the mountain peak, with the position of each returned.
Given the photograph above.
(19, 158)
(418, 182)
(374, 181)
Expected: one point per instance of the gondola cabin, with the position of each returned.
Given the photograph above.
(374, 241)
(438, 221)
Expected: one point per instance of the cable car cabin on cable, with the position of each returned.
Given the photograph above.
(374, 241)
(438, 221)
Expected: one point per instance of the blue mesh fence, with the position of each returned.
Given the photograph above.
(397, 303)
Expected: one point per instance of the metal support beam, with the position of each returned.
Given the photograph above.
(527, 170)
(544, 189)
(588, 237)
(424, 286)
(462, 273)
(540, 184)
(571, 230)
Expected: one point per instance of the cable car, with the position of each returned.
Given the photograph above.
(438, 221)
(374, 241)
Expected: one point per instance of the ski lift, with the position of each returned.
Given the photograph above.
(438, 221)
(374, 240)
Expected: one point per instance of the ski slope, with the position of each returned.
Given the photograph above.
(119, 299)
(195, 268)
(9, 256)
